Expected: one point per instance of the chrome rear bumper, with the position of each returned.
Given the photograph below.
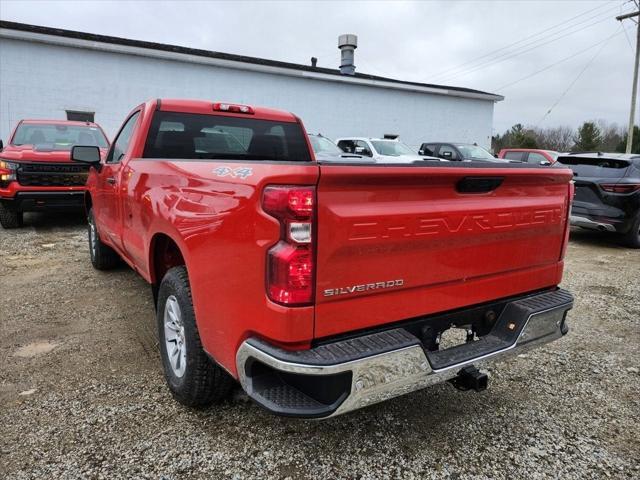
(337, 378)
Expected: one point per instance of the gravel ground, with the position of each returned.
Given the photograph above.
(82, 394)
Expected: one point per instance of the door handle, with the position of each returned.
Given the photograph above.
(111, 180)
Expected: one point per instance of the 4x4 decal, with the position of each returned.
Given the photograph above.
(241, 172)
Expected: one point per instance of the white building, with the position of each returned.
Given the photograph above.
(56, 74)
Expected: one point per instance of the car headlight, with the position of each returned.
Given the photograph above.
(7, 172)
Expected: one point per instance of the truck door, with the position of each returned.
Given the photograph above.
(107, 202)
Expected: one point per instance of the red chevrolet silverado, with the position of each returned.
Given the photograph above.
(323, 287)
(36, 171)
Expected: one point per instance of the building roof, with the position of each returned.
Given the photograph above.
(90, 40)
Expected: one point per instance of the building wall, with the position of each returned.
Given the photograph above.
(39, 80)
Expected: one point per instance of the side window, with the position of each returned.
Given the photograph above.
(429, 149)
(448, 153)
(121, 143)
(363, 148)
(536, 158)
(347, 146)
(514, 156)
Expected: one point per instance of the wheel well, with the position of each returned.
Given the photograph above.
(88, 203)
(165, 254)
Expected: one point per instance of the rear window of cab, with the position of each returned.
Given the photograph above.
(601, 167)
(198, 136)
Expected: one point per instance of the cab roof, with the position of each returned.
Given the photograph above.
(60, 122)
(207, 107)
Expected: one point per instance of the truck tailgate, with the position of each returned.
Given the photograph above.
(400, 242)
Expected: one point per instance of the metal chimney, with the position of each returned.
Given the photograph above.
(347, 44)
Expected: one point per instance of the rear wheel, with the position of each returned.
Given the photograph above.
(194, 380)
(10, 218)
(102, 256)
(632, 238)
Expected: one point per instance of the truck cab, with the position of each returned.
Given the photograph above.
(380, 150)
(36, 170)
(457, 152)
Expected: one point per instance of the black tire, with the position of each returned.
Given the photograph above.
(632, 238)
(103, 257)
(202, 382)
(10, 218)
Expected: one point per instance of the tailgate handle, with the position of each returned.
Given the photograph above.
(478, 184)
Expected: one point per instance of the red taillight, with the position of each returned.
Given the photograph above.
(291, 262)
(229, 107)
(620, 187)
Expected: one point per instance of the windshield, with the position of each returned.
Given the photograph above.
(58, 137)
(324, 145)
(391, 148)
(474, 151)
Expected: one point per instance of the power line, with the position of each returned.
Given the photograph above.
(511, 55)
(448, 72)
(575, 80)
(558, 62)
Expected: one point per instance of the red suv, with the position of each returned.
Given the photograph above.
(36, 171)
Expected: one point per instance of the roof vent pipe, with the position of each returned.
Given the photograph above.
(347, 44)
(314, 62)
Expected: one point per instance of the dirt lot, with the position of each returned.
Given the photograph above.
(82, 394)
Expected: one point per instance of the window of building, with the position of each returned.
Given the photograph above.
(78, 116)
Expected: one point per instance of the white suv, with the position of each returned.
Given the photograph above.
(382, 150)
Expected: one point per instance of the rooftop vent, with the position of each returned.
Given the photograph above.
(347, 44)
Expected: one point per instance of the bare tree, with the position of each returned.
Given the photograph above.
(559, 139)
(612, 135)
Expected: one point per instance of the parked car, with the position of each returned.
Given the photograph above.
(322, 288)
(381, 150)
(456, 152)
(36, 171)
(325, 150)
(530, 155)
(607, 193)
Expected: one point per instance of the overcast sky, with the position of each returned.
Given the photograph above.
(485, 45)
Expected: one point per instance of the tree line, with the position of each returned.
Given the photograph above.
(592, 136)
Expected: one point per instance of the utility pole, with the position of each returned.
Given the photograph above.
(634, 91)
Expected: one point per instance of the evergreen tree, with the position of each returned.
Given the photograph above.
(588, 138)
(635, 145)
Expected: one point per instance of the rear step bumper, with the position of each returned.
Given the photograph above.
(346, 375)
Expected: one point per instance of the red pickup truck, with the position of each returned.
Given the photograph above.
(322, 287)
(36, 172)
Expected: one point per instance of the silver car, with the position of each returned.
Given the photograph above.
(381, 150)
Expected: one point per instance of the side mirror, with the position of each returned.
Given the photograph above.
(421, 152)
(545, 163)
(85, 154)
